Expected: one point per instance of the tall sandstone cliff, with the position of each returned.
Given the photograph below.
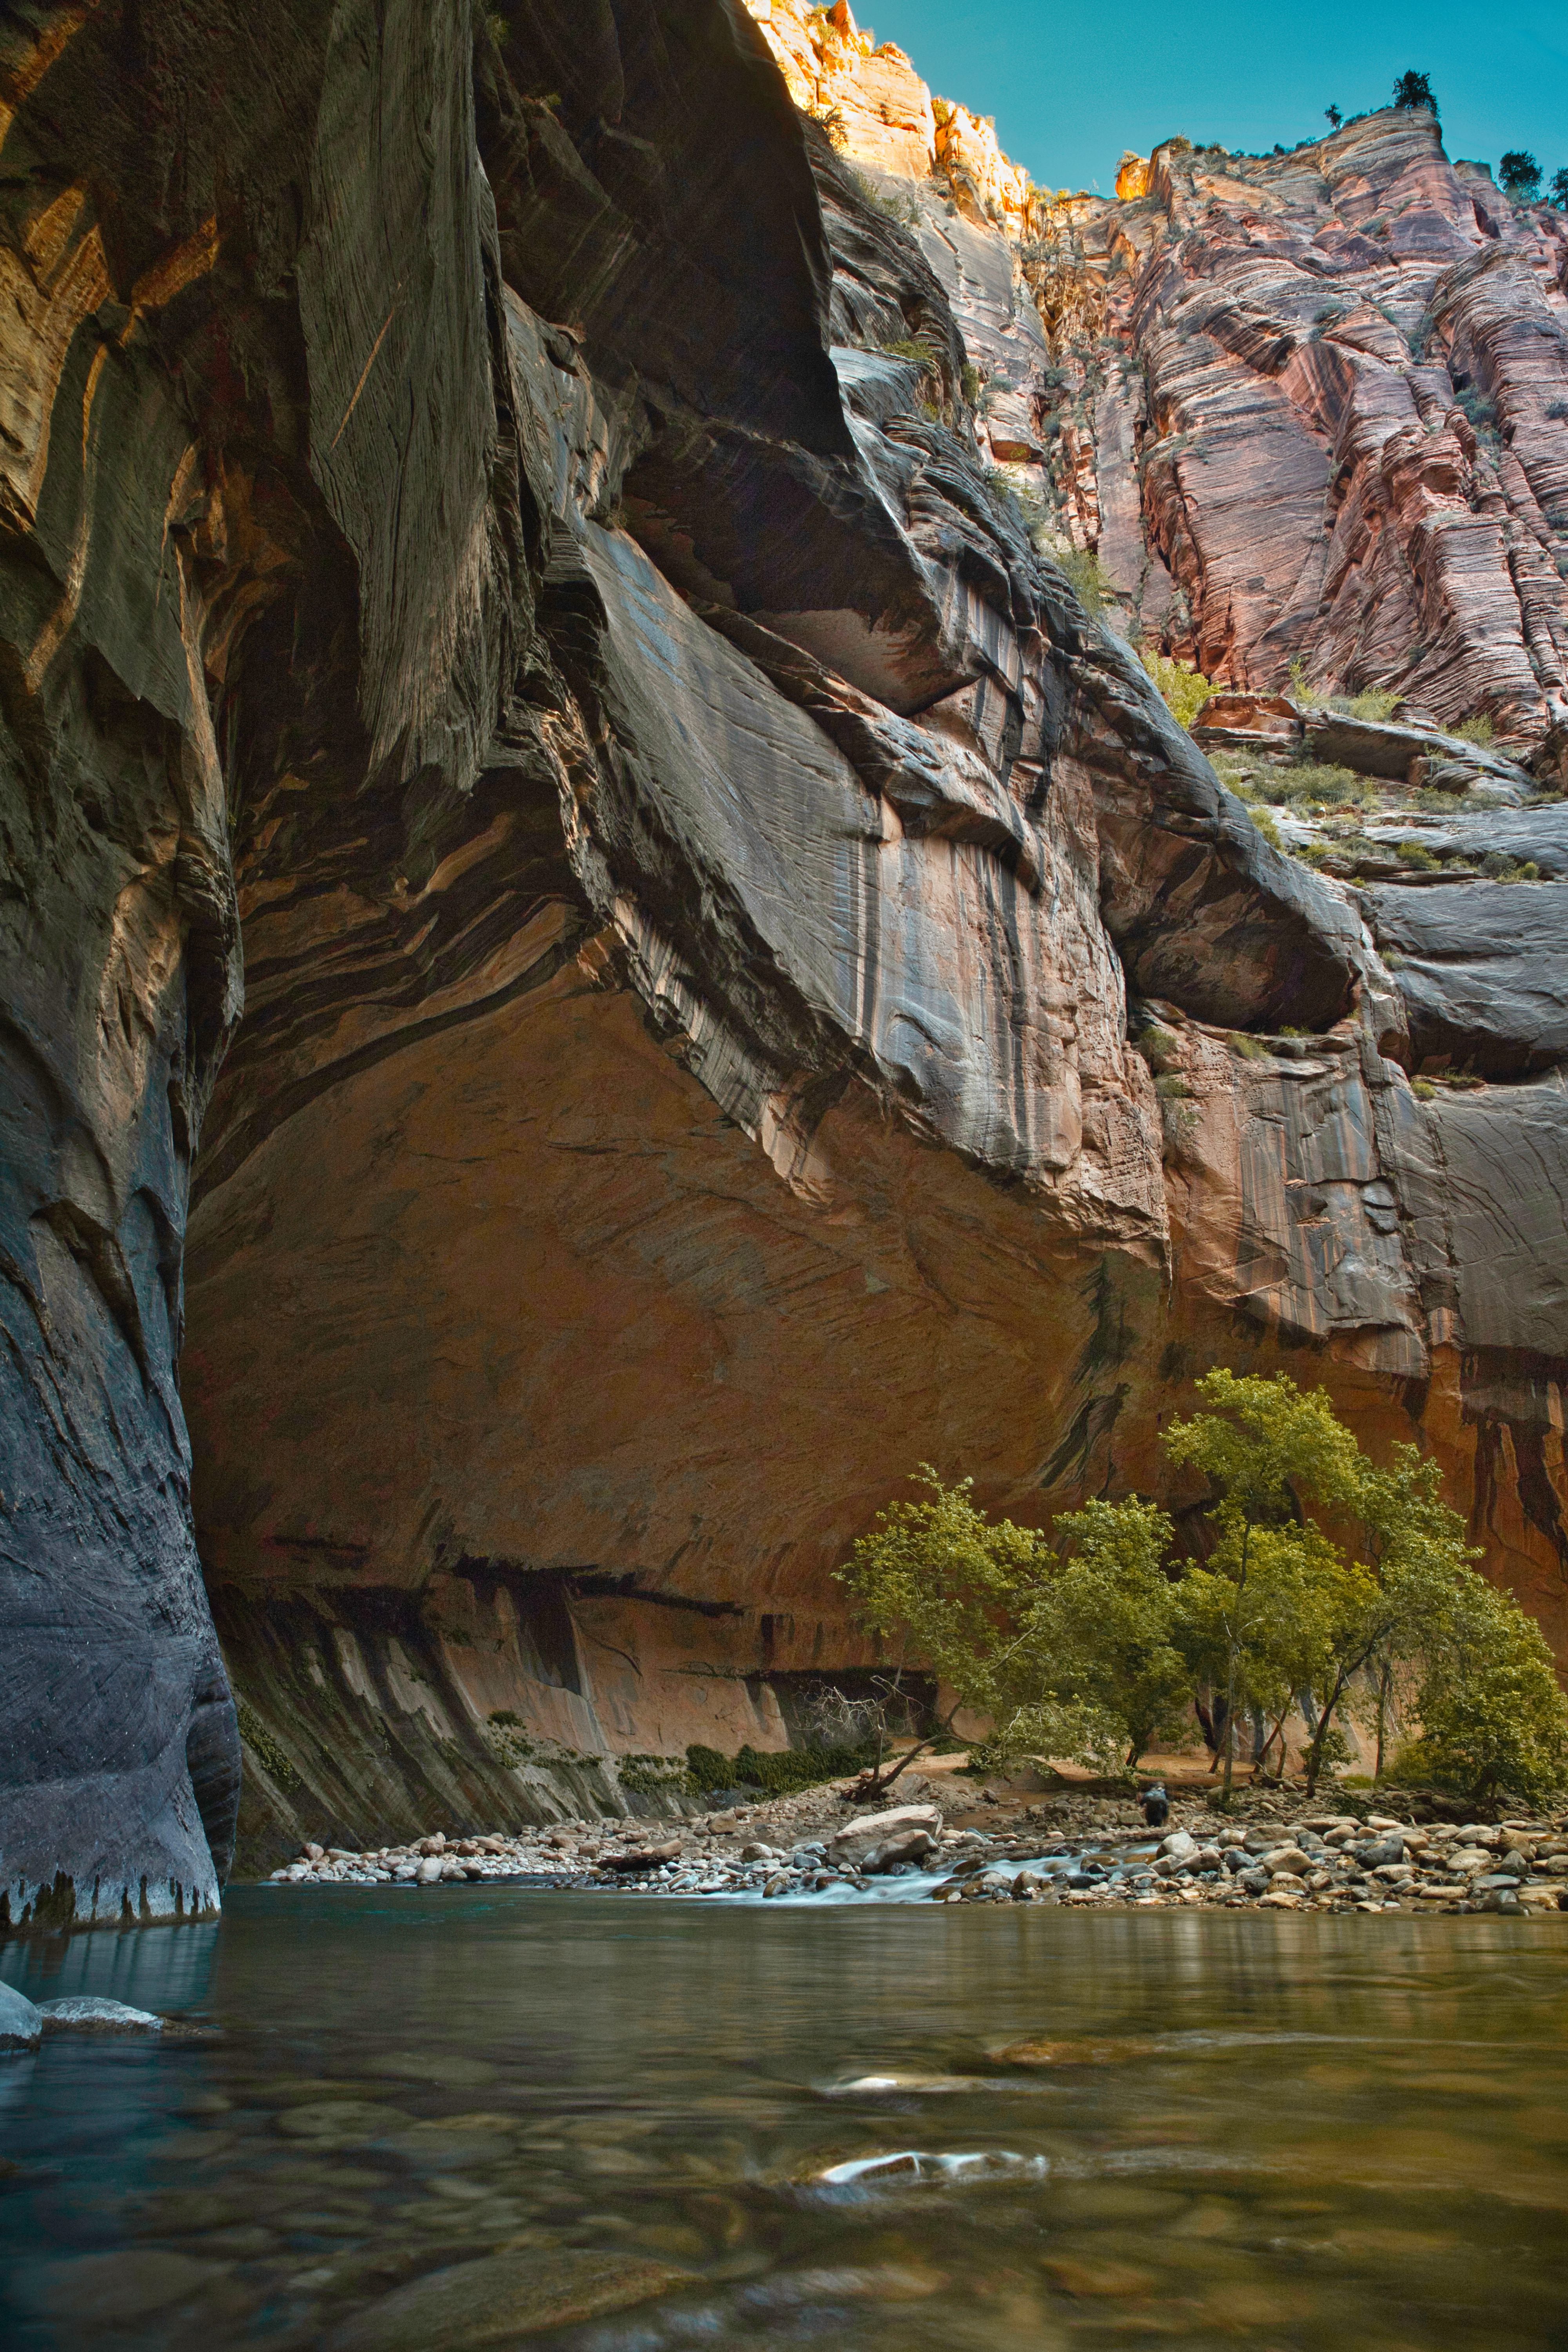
(579, 896)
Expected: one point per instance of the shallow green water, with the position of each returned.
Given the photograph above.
(1250, 2130)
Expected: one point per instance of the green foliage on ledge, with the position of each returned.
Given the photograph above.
(778, 1772)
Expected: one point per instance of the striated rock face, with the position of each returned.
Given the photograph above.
(1310, 411)
(730, 977)
(1345, 372)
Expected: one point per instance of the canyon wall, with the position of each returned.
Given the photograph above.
(557, 815)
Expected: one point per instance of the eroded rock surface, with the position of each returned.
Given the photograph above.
(1347, 369)
(503, 586)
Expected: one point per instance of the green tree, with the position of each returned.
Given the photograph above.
(1491, 1712)
(1329, 1583)
(957, 1586)
(1066, 1648)
(1254, 1622)
(1388, 1603)
(1559, 187)
(1100, 1631)
(1260, 1614)
(1518, 175)
(1415, 89)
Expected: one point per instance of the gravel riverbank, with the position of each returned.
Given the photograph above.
(1074, 1849)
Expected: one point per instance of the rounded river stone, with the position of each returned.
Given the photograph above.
(502, 2296)
(87, 2013)
(21, 2025)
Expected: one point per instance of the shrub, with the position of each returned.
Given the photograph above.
(1481, 412)
(902, 209)
(1079, 566)
(1266, 827)
(1172, 1087)
(1157, 1045)
(1315, 784)
(262, 1746)
(1422, 1090)
(654, 1776)
(778, 1772)
(971, 383)
(1251, 1049)
(1301, 688)
(1417, 853)
(1183, 689)
(1478, 730)
(1378, 702)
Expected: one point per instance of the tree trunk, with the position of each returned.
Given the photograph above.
(1383, 1683)
(1229, 1731)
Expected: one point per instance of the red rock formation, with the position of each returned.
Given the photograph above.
(1342, 365)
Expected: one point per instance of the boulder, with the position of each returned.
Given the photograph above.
(646, 1857)
(1247, 721)
(87, 2013)
(1535, 836)
(868, 1832)
(21, 2023)
(1403, 753)
(909, 1845)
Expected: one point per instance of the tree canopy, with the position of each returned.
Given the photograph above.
(1324, 1582)
(1518, 175)
(1415, 89)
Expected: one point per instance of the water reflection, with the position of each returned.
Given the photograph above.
(164, 1969)
(884, 2127)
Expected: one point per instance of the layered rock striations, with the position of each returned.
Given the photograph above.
(1347, 369)
(1309, 409)
(554, 807)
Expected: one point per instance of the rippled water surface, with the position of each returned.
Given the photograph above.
(792, 2126)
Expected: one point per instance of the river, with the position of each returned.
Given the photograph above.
(791, 2125)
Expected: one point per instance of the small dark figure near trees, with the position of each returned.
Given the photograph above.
(1156, 1807)
(1413, 90)
(1518, 175)
(1334, 116)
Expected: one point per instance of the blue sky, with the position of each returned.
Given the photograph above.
(1071, 87)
